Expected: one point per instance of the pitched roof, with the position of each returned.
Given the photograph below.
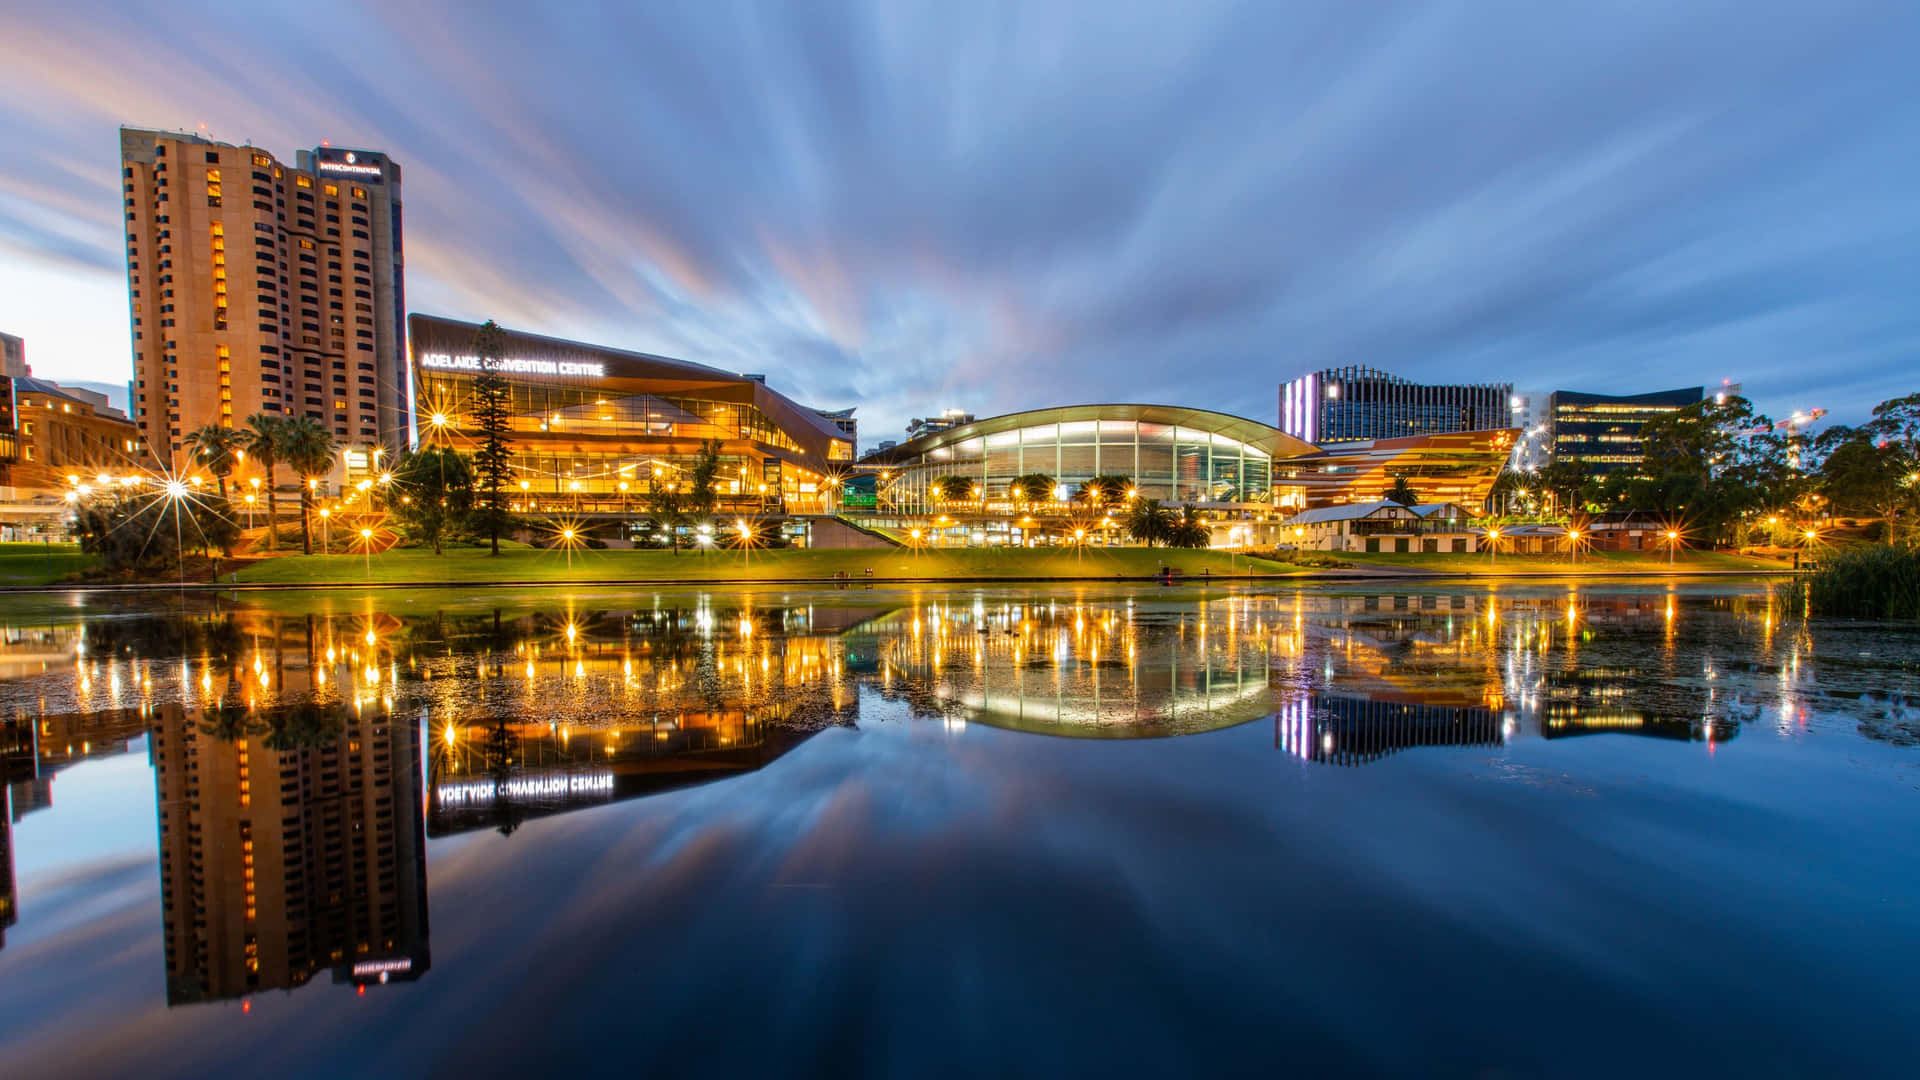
(1356, 511)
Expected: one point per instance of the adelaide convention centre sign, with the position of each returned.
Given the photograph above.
(506, 366)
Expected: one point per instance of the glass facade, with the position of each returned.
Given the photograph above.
(1169, 462)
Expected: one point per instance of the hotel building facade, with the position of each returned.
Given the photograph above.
(261, 287)
(593, 429)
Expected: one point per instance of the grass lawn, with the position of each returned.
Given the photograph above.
(470, 565)
(41, 564)
(1651, 562)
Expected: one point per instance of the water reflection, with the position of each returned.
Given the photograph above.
(300, 762)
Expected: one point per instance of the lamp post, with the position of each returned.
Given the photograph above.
(250, 498)
(176, 493)
(1573, 544)
(566, 540)
(326, 530)
(366, 544)
(746, 539)
(1079, 544)
(1493, 546)
(1673, 542)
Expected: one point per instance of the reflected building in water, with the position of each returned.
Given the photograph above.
(291, 832)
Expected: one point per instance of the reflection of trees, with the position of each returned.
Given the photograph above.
(498, 759)
(306, 726)
(230, 721)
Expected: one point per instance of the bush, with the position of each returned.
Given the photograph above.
(1864, 582)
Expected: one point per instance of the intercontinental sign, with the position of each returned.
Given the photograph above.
(449, 362)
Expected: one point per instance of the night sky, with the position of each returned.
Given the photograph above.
(999, 206)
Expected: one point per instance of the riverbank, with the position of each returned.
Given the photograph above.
(32, 567)
(29, 565)
(528, 566)
(1586, 564)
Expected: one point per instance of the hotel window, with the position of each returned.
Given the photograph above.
(303, 181)
(332, 189)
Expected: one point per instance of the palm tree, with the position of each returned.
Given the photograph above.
(213, 448)
(1402, 492)
(1104, 489)
(1150, 522)
(1188, 530)
(1033, 487)
(263, 441)
(308, 448)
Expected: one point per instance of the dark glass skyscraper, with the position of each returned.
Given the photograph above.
(1602, 431)
(1354, 403)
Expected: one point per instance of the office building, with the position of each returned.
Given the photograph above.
(594, 428)
(261, 287)
(1354, 403)
(1601, 432)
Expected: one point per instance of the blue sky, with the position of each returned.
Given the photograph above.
(910, 206)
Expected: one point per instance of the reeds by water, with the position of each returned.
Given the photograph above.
(1866, 582)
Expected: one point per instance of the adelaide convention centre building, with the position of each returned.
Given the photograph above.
(595, 429)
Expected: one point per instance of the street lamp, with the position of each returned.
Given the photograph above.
(176, 492)
(326, 530)
(1573, 544)
(1673, 542)
(250, 498)
(366, 544)
(1493, 546)
(566, 539)
(1079, 544)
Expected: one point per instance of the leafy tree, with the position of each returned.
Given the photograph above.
(1150, 523)
(1713, 465)
(1859, 476)
(214, 448)
(1566, 481)
(1188, 529)
(1033, 487)
(262, 438)
(703, 494)
(307, 448)
(1106, 488)
(492, 416)
(668, 505)
(1402, 492)
(142, 533)
(437, 493)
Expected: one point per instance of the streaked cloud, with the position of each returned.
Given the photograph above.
(914, 206)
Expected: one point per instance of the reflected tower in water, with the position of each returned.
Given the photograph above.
(291, 839)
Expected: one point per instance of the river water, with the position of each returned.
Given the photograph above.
(1484, 830)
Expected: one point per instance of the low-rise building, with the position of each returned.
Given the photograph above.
(1382, 526)
(57, 432)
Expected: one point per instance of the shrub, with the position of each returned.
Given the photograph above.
(1866, 582)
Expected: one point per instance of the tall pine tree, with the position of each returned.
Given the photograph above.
(492, 411)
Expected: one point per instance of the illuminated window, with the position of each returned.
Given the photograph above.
(303, 181)
(333, 189)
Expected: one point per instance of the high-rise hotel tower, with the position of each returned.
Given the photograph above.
(258, 286)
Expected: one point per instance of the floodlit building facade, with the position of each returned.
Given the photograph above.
(1245, 477)
(256, 286)
(593, 428)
